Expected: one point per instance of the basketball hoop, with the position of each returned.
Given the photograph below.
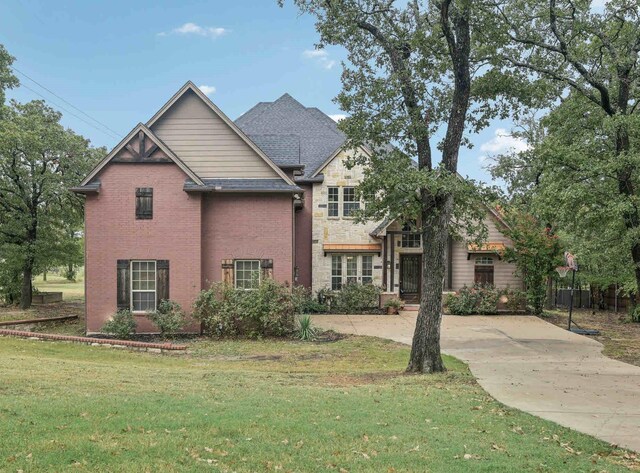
(563, 270)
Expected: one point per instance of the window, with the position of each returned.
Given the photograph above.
(143, 286)
(484, 260)
(355, 268)
(333, 205)
(483, 273)
(144, 203)
(336, 273)
(352, 269)
(410, 240)
(367, 269)
(247, 274)
(350, 203)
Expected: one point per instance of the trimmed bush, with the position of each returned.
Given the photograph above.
(305, 303)
(121, 325)
(168, 317)
(483, 300)
(229, 312)
(356, 298)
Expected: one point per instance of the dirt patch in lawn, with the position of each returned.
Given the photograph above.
(621, 338)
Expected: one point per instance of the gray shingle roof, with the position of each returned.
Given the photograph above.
(318, 135)
(241, 185)
(284, 150)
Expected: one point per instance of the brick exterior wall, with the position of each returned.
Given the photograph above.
(250, 226)
(113, 233)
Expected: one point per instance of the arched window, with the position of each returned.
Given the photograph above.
(410, 240)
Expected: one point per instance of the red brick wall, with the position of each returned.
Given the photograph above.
(250, 226)
(304, 236)
(113, 233)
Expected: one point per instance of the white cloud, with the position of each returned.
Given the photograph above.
(194, 29)
(503, 142)
(207, 89)
(320, 56)
(337, 117)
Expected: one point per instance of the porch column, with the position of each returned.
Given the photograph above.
(384, 263)
(393, 262)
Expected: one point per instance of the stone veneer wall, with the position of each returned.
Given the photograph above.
(337, 229)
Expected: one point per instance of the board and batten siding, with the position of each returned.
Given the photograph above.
(205, 143)
(463, 269)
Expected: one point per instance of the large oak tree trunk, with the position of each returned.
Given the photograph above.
(425, 349)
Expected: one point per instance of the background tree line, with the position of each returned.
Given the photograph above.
(41, 221)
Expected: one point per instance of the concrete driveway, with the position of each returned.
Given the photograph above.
(531, 365)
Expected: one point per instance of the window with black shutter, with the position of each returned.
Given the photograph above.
(144, 203)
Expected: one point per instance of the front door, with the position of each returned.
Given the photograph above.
(410, 271)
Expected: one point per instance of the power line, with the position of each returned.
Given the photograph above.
(117, 135)
(112, 135)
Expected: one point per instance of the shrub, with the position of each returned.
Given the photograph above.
(305, 303)
(121, 325)
(478, 299)
(393, 302)
(265, 311)
(168, 317)
(306, 330)
(515, 299)
(355, 298)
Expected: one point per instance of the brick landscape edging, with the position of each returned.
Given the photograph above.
(37, 321)
(93, 341)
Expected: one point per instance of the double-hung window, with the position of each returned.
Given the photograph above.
(348, 269)
(350, 203)
(247, 274)
(367, 269)
(143, 286)
(333, 205)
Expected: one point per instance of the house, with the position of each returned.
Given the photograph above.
(183, 200)
(190, 198)
(331, 248)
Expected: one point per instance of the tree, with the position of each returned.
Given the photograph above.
(7, 79)
(589, 63)
(39, 161)
(415, 68)
(536, 253)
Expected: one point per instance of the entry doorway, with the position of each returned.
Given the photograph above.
(410, 278)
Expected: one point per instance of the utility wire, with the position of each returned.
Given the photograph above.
(117, 135)
(112, 135)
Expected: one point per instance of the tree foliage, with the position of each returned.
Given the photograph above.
(40, 218)
(536, 252)
(415, 69)
(582, 175)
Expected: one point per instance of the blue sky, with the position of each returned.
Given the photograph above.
(120, 61)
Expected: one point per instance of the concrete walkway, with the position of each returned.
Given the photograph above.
(531, 365)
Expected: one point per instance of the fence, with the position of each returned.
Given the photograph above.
(610, 298)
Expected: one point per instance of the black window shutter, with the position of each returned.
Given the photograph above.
(162, 279)
(266, 266)
(123, 284)
(144, 203)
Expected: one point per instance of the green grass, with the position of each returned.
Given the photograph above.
(266, 406)
(71, 290)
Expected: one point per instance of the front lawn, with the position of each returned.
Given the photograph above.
(266, 406)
